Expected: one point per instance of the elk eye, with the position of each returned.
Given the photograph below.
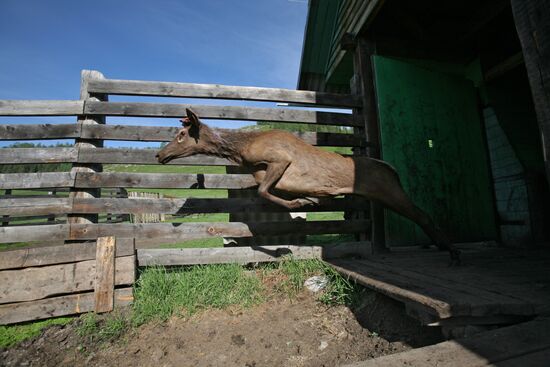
(181, 136)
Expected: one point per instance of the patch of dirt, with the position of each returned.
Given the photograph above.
(282, 332)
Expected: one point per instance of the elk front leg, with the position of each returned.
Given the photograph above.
(273, 173)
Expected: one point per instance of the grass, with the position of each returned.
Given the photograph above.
(160, 293)
(11, 335)
(339, 290)
(183, 291)
(93, 329)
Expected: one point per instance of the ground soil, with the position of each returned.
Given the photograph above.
(282, 332)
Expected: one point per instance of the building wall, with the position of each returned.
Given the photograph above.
(431, 132)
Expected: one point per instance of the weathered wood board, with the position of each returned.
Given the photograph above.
(526, 344)
(58, 306)
(217, 91)
(40, 282)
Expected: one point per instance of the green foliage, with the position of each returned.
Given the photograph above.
(160, 293)
(11, 335)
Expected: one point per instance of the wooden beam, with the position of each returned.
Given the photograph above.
(217, 112)
(39, 131)
(191, 231)
(532, 18)
(104, 282)
(87, 119)
(67, 253)
(40, 282)
(40, 108)
(505, 66)
(217, 91)
(36, 180)
(57, 306)
(164, 180)
(509, 346)
(365, 77)
(245, 255)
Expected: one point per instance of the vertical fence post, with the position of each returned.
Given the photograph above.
(363, 84)
(86, 75)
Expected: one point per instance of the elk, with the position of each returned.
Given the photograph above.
(281, 161)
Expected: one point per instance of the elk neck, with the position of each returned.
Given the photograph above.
(227, 143)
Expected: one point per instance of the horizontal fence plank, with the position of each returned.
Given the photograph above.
(40, 108)
(193, 205)
(35, 206)
(58, 306)
(40, 282)
(223, 255)
(101, 155)
(38, 155)
(144, 156)
(59, 254)
(191, 231)
(143, 133)
(244, 255)
(164, 180)
(58, 206)
(39, 131)
(121, 179)
(217, 91)
(218, 112)
(163, 134)
(53, 232)
(36, 180)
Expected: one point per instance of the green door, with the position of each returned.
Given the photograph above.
(431, 132)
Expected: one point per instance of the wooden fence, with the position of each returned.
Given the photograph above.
(87, 178)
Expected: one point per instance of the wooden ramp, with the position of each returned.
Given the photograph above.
(526, 344)
(493, 286)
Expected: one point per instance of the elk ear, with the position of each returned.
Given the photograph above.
(193, 118)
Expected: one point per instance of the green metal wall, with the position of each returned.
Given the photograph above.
(432, 134)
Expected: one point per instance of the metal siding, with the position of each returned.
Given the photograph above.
(451, 180)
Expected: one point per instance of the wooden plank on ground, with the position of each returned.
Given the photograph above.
(190, 231)
(104, 284)
(218, 112)
(58, 306)
(490, 348)
(394, 287)
(38, 131)
(519, 274)
(192, 205)
(36, 283)
(217, 91)
(36, 180)
(40, 108)
(50, 232)
(67, 253)
(164, 180)
(482, 302)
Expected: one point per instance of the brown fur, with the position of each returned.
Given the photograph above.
(279, 160)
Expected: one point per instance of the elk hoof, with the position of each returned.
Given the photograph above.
(298, 203)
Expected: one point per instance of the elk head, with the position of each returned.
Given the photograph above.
(187, 141)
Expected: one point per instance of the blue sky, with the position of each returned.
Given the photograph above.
(45, 44)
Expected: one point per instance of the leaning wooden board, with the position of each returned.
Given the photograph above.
(526, 344)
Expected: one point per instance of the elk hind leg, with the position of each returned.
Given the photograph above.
(397, 200)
